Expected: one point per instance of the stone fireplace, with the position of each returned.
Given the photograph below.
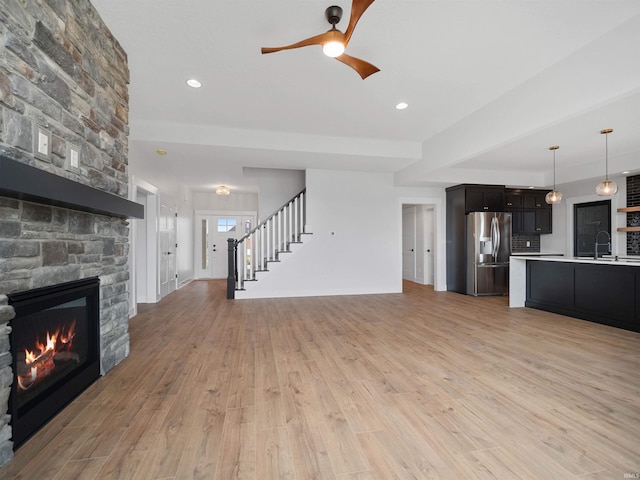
(63, 173)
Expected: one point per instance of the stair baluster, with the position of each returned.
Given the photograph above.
(263, 244)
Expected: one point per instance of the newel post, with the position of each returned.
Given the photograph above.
(231, 268)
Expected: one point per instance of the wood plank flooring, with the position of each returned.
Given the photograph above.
(418, 385)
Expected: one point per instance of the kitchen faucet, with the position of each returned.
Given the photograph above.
(608, 244)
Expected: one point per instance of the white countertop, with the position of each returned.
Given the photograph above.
(537, 254)
(627, 261)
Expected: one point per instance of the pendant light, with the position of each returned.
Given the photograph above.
(606, 188)
(554, 196)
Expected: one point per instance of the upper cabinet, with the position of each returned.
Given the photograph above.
(512, 200)
(535, 199)
(530, 212)
(484, 199)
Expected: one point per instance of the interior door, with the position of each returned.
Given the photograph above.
(409, 244)
(167, 239)
(429, 241)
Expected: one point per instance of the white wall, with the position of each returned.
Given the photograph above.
(356, 244)
(232, 202)
(561, 240)
(277, 186)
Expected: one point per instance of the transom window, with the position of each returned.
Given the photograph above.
(226, 225)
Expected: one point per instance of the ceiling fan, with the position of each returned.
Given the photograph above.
(334, 41)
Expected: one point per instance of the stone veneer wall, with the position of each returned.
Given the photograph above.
(62, 70)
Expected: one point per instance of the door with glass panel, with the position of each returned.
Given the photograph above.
(211, 245)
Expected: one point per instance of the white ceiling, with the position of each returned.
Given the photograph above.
(490, 86)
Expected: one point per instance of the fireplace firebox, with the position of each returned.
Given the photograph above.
(55, 348)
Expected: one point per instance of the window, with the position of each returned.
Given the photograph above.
(591, 225)
(226, 225)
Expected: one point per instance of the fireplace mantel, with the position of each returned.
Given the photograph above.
(31, 184)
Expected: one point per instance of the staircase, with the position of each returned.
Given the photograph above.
(265, 245)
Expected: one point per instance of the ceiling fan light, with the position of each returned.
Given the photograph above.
(333, 49)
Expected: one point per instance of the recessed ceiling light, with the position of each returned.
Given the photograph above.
(531, 188)
(192, 82)
(161, 152)
(626, 172)
(401, 106)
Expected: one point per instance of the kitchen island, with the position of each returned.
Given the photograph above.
(605, 290)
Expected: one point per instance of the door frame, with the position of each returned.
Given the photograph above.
(439, 238)
(197, 234)
(143, 254)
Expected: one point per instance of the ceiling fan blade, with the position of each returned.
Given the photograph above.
(317, 40)
(363, 68)
(358, 7)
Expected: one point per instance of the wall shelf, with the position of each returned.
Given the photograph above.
(629, 209)
(629, 229)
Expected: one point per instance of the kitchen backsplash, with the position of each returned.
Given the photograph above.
(519, 243)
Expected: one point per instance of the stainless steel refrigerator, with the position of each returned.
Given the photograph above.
(488, 251)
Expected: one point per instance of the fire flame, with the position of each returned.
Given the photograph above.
(40, 360)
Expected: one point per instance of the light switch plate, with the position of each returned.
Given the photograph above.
(73, 157)
(41, 142)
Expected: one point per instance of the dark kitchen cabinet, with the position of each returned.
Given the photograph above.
(484, 199)
(517, 221)
(513, 205)
(535, 199)
(603, 293)
(461, 200)
(536, 221)
(530, 213)
(512, 200)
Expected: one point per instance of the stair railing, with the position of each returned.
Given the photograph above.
(263, 244)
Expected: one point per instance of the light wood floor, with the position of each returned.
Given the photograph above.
(401, 386)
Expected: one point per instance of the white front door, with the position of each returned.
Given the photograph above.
(213, 232)
(409, 244)
(167, 238)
